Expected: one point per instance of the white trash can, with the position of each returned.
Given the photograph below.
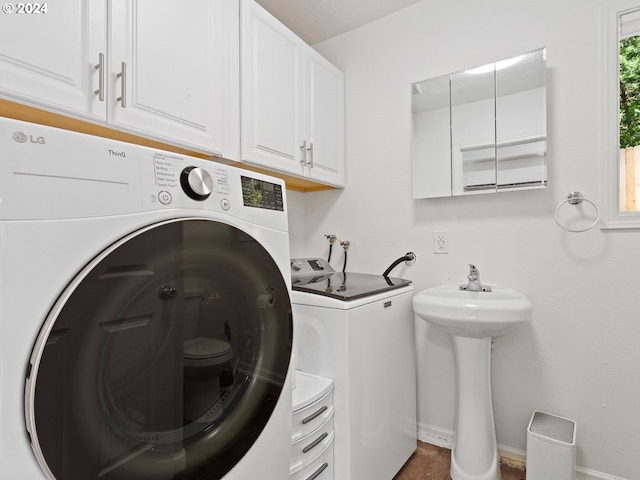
(551, 448)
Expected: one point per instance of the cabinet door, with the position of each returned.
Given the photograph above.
(324, 104)
(166, 71)
(271, 92)
(48, 59)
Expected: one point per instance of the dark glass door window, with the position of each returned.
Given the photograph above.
(164, 359)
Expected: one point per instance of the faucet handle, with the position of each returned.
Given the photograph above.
(475, 285)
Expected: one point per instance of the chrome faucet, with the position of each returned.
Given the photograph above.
(474, 285)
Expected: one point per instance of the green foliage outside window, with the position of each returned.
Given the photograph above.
(630, 92)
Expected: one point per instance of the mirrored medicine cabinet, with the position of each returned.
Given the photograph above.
(481, 130)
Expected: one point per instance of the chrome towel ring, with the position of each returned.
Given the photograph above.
(576, 198)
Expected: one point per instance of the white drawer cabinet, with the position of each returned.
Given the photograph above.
(310, 418)
(312, 434)
(155, 68)
(292, 102)
(307, 450)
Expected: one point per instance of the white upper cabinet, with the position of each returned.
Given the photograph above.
(272, 96)
(324, 107)
(220, 77)
(154, 68)
(292, 102)
(166, 70)
(49, 59)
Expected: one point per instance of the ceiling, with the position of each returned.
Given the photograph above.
(318, 20)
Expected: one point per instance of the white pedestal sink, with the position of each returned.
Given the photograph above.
(473, 317)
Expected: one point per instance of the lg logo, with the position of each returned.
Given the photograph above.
(22, 137)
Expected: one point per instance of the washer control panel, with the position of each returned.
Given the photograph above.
(96, 177)
(304, 267)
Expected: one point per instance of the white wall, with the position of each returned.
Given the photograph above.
(580, 357)
(296, 204)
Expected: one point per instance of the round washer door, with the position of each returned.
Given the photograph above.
(163, 359)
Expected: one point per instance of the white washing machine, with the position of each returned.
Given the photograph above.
(145, 315)
(358, 329)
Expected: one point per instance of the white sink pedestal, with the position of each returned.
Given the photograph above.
(473, 318)
(474, 455)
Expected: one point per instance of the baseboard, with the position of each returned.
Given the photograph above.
(439, 437)
(508, 456)
(586, 474)
(512, 457)
(444, 438)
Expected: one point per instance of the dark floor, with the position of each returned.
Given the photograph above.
(432, 463)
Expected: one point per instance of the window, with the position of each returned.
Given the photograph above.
(620, 117)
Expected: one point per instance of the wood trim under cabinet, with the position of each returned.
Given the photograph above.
(42, 117)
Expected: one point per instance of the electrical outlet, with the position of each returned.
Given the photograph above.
(441, 242)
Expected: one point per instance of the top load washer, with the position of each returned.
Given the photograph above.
(145, 313)
(359, 330)
(317, 276)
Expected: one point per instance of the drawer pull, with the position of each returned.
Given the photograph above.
(315, 442)
(317, 413)
(317, 473)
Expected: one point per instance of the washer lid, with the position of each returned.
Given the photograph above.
(347, 285)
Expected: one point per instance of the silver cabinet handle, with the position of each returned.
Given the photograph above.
(303, 149)
(310, 150)
(100, 68)
(123, 85)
